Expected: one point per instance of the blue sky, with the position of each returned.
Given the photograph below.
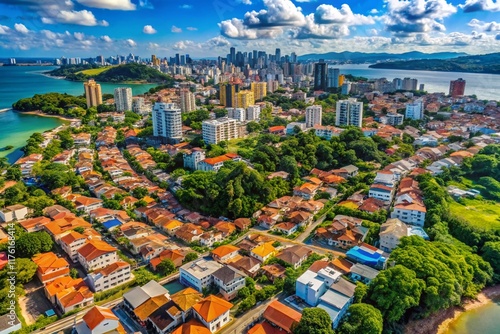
(209, 27)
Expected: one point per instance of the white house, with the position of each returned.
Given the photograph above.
(229, 281)
(110, 276)
(213, 312)
(71, 243)
(13, 212)
(96, 254)
(198, 274)
(98, 320)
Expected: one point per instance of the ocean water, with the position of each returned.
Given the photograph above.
(483, 320)
(17, 82)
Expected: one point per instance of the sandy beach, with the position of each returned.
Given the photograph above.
(439, 322)
(39, 113)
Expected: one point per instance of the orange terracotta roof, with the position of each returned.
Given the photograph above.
(172, 224)
(96, 315)
(69, 238)
(224, 250)
(94, 249)
(34, 222)
(282, 315)
(62, 283)
(187, 298)
(276, 128)
(212, 307)
(144, 310)
(49, 261)
(106, 271)
(264, 328)
(192, 327)
(213, 161)
(72, 296)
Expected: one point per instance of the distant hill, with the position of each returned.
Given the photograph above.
(120, 73)
(488, 63)
(361, 57)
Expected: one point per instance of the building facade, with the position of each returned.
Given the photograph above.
(92, 93)
(415, 110)
(259, 90)
(457, 87)
(349, 112)
(313, 115)
(217, 130)
(188, 101)
(167, 122)
(123, 99)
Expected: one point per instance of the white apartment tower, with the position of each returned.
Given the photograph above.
(238, 114)
(167, 122)
(313, 115)
(220, 129)
(253, 113)
(123, 99)
(188, 102)
(349, 112)
(415, 110)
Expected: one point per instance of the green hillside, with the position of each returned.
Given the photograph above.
(489, 63)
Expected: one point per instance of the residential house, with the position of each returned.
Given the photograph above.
(115, 274)
(242, 224)
(171, 226)
(295, 255)
(60, 227)
(362, 273)
(175, 255)
(189, 233)
(300, 218)
(61, 283)
(198, 274)
(26, 163)
(71, 242)
(87, 204)
(346, 171)
(229, 281)
(162, 318)
(306, 191)
(213, 312)
(185, 300)
(34, 224)
(409, 205)
(96, 254)
(225, 253)
(226, 228)
(282, 316)
(140, 294)
(209, 238)
(73, 298)
(99, 320)
(273, 271)
(50, 267)
(382, 192)
(287, 228)
(263, 251)
(82, 139)
(249, 265)
(264, 328)
(193, 326)
(368, 255)
(14, 212)
(390, 234)
(216, 163)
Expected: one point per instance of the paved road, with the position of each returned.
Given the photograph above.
(240, 325)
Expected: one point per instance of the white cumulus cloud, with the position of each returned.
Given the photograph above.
(131, 43)
(19, 27)
(148, 29)
(109, 4)
(175, 29)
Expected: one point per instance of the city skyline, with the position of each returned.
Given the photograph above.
(55, 28)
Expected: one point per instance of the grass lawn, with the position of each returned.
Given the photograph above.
(95, 71)
(232, 145)
(480, 213)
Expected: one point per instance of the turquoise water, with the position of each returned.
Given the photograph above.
(484, 320)
(17, 82)
(174, 287)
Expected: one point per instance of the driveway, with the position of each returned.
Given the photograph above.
(34, 303)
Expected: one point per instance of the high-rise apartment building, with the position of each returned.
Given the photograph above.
(272, 85)
(253, 113)
(259, 90)
(227, 94)
(167, 122)
(244, 99)
(320, 75)
(123, 99)
(415, 110)
(188, 101)
(349, 112)
(92, 93)
(410, 84)
(333, 77)
(238, 114)
(313, 115)
(457, 87)
(220, 129)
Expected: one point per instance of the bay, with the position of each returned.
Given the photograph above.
(484, 320)
(17, 82)
(484, 86)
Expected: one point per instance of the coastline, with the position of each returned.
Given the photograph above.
(41, 114)
(439, 322)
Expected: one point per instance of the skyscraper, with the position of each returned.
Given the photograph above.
(349, 112)
(167, 122)
(227, 94)
(92, 93)
(232, 52)
(123, 99)
(278, 55)
(410, 84)
(457, 87)
(320, 75)
(245, 98)
(259, 90)
(333, 77)
(188, 102)
(415, 110)
(313, 115)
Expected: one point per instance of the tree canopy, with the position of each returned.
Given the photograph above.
(314, 321)
(362, 319)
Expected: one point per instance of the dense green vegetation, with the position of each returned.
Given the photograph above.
(314, 320)
(489, 63)
(121, 73)
(54, 103)
(362, 319)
